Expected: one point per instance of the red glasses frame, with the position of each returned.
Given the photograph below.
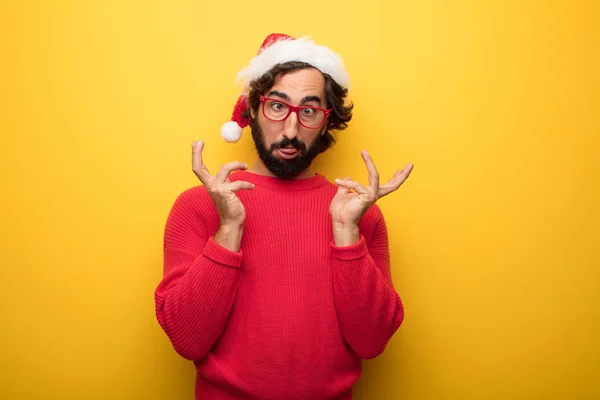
(295, 109)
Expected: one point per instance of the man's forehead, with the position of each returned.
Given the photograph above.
(301, 82)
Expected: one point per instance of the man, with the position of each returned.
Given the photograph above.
(277, 282)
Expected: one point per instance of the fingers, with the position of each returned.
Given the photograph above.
(197, 164)
(227, 169)
(240, 185)
(373, 174)
(402, 174)
(406, 172)
(346, 184)
(349, 184)
(387, 189)
(343, 189)
(398, 179)
(390, 186)
(202, 171)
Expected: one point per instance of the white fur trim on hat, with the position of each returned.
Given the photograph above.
(302, 49)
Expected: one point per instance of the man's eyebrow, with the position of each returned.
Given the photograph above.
(309, 99)
(306, 99)
(279, 94)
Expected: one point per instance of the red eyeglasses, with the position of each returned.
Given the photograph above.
(308, 116)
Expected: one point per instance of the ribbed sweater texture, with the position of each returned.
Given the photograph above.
(289, 316)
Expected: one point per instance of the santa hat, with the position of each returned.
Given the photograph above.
(276, 49)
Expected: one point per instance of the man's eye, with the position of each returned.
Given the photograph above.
(308, 111)
(278, 106)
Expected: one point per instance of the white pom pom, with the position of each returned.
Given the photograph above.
(231, 132)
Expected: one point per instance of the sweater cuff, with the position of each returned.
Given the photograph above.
(352, 252)
(221, 255)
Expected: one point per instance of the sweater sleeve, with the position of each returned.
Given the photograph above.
(368, 307)
(199, 285)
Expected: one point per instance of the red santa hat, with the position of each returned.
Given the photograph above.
(276, 49)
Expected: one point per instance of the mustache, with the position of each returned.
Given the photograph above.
(295, 143)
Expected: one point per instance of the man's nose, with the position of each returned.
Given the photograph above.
(290, 127)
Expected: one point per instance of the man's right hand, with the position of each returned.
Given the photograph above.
(222, 192)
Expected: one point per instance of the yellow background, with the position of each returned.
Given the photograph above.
(495, 237)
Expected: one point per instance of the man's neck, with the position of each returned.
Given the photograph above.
(260, 168)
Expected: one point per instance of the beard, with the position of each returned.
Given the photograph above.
(284, 168)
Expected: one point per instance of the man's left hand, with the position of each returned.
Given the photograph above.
(352, 200)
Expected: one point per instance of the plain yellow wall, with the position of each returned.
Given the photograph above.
(495, 237)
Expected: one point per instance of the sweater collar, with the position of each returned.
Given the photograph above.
(270, 182)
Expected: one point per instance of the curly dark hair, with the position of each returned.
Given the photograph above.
(335, 95)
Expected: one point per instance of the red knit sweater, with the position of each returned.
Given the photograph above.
(291, 315)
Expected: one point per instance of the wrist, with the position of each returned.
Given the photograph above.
(231, 225)
(345, 234)
(229, 235)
